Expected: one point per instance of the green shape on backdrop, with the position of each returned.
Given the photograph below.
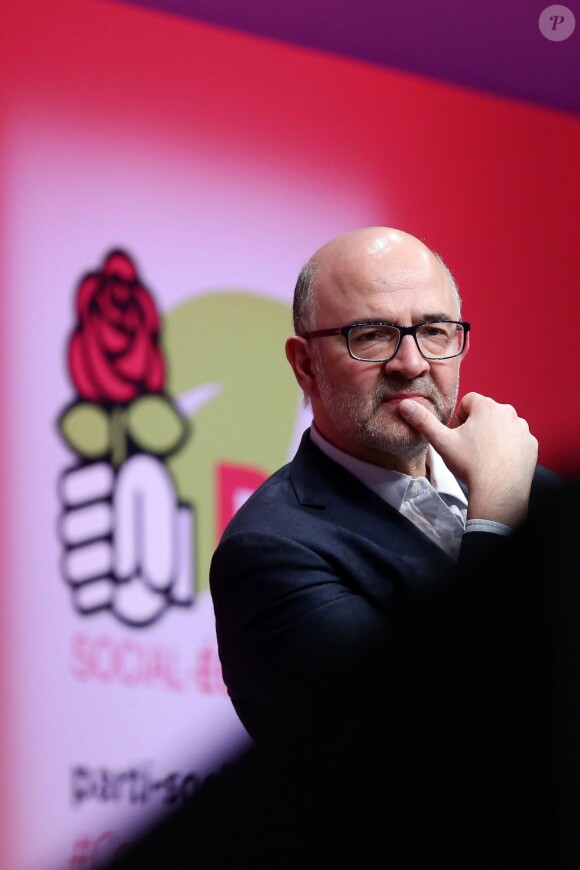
(85, 426)
(234, 341)
(154, 424)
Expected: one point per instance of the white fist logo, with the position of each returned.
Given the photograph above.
(128, 543)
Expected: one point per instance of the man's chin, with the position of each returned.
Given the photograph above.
(395, 437)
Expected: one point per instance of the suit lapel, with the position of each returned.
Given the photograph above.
(322, 484)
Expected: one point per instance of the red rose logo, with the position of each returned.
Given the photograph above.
(122, 427)
(114, 353)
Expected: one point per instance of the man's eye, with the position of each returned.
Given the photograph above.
(435, 331)
(370, 335)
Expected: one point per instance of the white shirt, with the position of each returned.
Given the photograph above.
(438, 508)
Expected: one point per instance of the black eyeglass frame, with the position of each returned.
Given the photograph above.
(402, 330)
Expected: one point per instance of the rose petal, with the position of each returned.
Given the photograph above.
(132, 320)
(113, 341)
(79, 370)
(121, 294)
(107, 305)
(147, 306)
(119, 263)
(155, 376)
(133, 364)
(112, 386)
(88, 289)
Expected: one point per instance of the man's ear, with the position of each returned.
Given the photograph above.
(298, 355)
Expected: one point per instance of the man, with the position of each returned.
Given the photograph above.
(339, 617)
(368, 514)
(406, 663)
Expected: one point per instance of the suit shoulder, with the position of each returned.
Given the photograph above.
(270, 496)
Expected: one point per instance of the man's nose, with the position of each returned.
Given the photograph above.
(408, 361)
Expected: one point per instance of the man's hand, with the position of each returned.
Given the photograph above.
(489, 448)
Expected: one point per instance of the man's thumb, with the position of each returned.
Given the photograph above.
(423, 420)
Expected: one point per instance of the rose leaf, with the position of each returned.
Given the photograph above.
(154, 424)
(85, 426)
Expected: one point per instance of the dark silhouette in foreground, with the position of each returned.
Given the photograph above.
(474, 763)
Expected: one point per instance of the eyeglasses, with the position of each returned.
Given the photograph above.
(377, 341)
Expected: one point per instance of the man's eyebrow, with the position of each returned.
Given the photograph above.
(439, 315)
(424, 318)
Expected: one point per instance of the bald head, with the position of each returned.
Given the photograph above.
(367, 257)
(374, 276)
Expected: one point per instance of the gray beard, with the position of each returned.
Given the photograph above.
(362, 420)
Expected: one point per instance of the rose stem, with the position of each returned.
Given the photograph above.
(118, 437)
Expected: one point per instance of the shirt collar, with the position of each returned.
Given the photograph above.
(392, 486)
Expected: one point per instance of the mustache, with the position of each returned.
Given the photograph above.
(395, 386)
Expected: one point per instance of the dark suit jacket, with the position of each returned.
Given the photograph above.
(355, 646)
(309, 573)
(409, 713)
